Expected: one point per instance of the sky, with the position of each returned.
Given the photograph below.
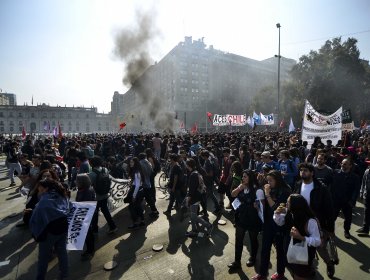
(60, 52)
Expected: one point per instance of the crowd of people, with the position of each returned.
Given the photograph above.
(271, 183)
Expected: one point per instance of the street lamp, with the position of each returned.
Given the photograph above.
(278, 97)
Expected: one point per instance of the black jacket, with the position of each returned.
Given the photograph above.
(345, 187)
(321, 204)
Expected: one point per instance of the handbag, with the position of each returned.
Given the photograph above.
(332, 251)
(298, 252)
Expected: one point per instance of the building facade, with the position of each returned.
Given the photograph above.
(193, 79)
(8, 99)
(44, 118)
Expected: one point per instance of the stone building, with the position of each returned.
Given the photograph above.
(193, 79)
(43, 118)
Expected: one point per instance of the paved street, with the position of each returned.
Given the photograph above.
(181, 258)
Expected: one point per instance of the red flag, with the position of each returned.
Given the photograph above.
(23, 133)
(363, 124)
(122, 125)
(209, 115)
(282, 124)
(194, 129)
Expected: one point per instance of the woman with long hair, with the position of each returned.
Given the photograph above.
(246, 217)
(136, 210)
(302, 226)
(276, 192)
(49, 226)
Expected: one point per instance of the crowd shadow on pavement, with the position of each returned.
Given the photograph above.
(201, 250)
(358, 251)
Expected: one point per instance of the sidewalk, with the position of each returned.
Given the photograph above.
(181, 258)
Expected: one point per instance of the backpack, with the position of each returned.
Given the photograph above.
(202, 187)
(157, 166)
(103, 181)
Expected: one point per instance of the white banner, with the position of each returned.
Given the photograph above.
(267, 119)
(233, 120)
(325, 127)
(79, 220)
(348, 126)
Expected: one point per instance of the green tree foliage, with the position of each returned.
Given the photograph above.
(331, 77)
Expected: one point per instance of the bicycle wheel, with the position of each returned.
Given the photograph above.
(163, 181)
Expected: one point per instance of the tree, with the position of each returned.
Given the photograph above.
(334, 76)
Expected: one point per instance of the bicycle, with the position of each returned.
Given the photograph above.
(164, 178)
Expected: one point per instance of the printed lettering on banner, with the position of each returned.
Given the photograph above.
(79, 220)
(325, 127)
(233, 120)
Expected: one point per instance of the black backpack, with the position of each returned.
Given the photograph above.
(103, 181)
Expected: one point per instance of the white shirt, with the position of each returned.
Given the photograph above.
(306, 191)
(313, 239)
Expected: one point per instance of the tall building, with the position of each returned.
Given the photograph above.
(43, 118)
(8, 99)
(193, 79)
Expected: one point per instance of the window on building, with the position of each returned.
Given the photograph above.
(32, 115)
(1, 128)
(1, 114)
(20, 115)
(20, 129)
(20, 123)
(69, 116)
(44, 115)
(11, 129)
(53, 115)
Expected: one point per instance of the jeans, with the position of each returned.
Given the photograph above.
(322, 250)
(239, 238)
(157, 154)
(347, 213)
(59, 242)
(195, 219)
(270, 236)
(103, 206)
(14, 167)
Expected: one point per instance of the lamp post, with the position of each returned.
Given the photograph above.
(278, 84)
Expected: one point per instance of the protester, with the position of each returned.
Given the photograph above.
(85, 192)
(193, 199)
(12, 159)
(276, 192)
(365, 194)
(49, 226)
(136, 195)
(101, 191)
(319, 199)
(300, 221)
(246, 217)
(345, 191)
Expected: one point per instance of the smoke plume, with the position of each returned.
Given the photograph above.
(133, 46)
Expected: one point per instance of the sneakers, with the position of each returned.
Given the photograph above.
(112, 230)
(363, 230)
(234, 265)
(136, 226)
(259, 277)
(347, 235)
(277, 276)
(330, 270)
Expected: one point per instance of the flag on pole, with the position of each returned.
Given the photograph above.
(55, 131)
(122, 125)
(194, 129)
(250, 121)
(182, 125)
(32, 101)
(209, 115)
(60, 134)
(291, 126)
(23, 133)
(282, 123)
